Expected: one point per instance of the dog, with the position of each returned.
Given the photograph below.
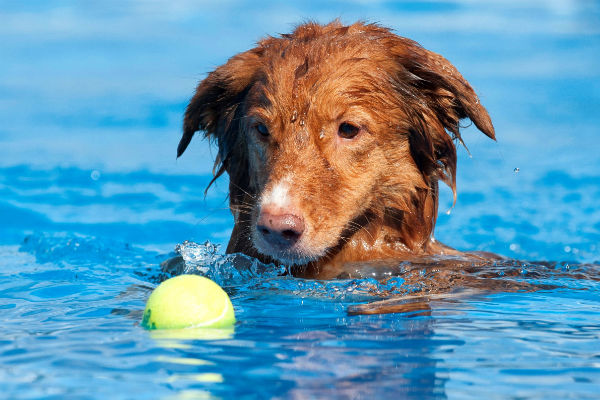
(334, 138)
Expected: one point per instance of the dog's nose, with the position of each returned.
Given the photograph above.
(280, 230)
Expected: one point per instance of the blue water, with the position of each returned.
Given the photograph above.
(92, 200)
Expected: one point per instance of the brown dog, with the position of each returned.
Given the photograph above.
(334, 138)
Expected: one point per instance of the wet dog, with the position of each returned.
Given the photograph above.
(334, 139)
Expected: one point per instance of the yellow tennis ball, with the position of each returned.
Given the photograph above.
(188, 301)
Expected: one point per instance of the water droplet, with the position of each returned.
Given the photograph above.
(516, 170)
(301, 122)
(294, 116)
(567, 249)
(95, 175)
(322, 134)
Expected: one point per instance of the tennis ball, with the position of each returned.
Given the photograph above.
(188, 301)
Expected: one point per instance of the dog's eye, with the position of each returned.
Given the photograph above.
(262, 130)
(347, 130)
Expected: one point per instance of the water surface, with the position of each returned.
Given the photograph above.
(92, 200)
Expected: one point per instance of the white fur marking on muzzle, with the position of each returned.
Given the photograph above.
(278, 195)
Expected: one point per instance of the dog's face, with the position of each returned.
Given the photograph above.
(328, 129)
(322, 150)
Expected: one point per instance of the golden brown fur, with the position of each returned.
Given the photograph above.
(334, 138)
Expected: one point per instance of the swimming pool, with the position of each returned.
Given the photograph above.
(92, 200)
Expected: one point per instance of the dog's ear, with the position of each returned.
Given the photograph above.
(437, 97)
(423, 72)
(450, 95)
(217, 98)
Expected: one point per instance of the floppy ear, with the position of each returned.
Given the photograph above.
(451, 96)
(437, 98)
(215, 106)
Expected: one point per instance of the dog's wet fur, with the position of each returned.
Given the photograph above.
(334, 138)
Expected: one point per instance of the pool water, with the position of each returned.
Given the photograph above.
(92, 201)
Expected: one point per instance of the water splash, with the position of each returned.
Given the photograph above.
(368, 281)
(227, 270)
(240, 272)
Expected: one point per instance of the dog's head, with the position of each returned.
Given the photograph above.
(329, 128)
